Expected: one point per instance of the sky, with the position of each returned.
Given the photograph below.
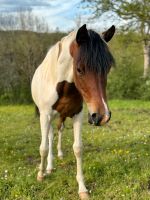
(60, 14)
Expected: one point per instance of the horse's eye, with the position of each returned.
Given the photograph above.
(80, 71)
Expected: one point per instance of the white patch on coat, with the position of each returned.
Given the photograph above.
(56, 67)
(105, 106)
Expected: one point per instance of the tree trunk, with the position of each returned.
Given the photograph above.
(146, 49)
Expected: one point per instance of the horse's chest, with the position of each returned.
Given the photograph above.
(69, 102)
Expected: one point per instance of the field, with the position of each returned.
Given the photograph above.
(116, 157)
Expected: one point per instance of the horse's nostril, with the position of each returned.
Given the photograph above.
(93, 115)
(95, 118)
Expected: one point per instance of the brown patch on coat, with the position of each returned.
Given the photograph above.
(70, 100)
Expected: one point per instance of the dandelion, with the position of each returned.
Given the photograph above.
(127, 152)
(120, 151)
(5, 176)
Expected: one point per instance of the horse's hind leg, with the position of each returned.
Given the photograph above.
(59, 144)
(50, 153)
(45, 126)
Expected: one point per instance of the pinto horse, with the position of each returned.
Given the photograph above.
(74, 70)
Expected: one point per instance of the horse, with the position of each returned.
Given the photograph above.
(74, 71)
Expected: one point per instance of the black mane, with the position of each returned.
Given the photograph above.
(95, 55)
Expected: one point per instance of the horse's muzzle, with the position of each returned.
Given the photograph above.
(99, 120)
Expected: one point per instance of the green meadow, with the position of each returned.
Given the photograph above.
(116, 157)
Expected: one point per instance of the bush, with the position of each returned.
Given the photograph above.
(22, 52)
(125, 80)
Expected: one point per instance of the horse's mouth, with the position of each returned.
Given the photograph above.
(98, 120)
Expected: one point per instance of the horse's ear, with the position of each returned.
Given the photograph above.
(107, 35)
(82, 35)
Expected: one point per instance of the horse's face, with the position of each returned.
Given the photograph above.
(91, 80)
(92, 86)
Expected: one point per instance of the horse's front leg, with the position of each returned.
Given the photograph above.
(45, 126)
(77, 147)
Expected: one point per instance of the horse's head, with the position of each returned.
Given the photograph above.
(91, 64)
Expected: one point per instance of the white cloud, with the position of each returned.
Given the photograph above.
(57, 13)
(61, 14)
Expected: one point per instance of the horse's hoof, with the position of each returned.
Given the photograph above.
(40, 178)
(49, 171)
(84, 195)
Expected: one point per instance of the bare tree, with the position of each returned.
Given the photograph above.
(23, 20)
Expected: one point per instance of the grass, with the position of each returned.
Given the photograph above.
(116, 157)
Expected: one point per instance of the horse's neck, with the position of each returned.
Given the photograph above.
(57, 65)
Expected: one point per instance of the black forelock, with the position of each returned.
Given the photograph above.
(95, 55)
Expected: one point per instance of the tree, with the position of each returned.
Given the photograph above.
(137, 14)
(23, 20)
